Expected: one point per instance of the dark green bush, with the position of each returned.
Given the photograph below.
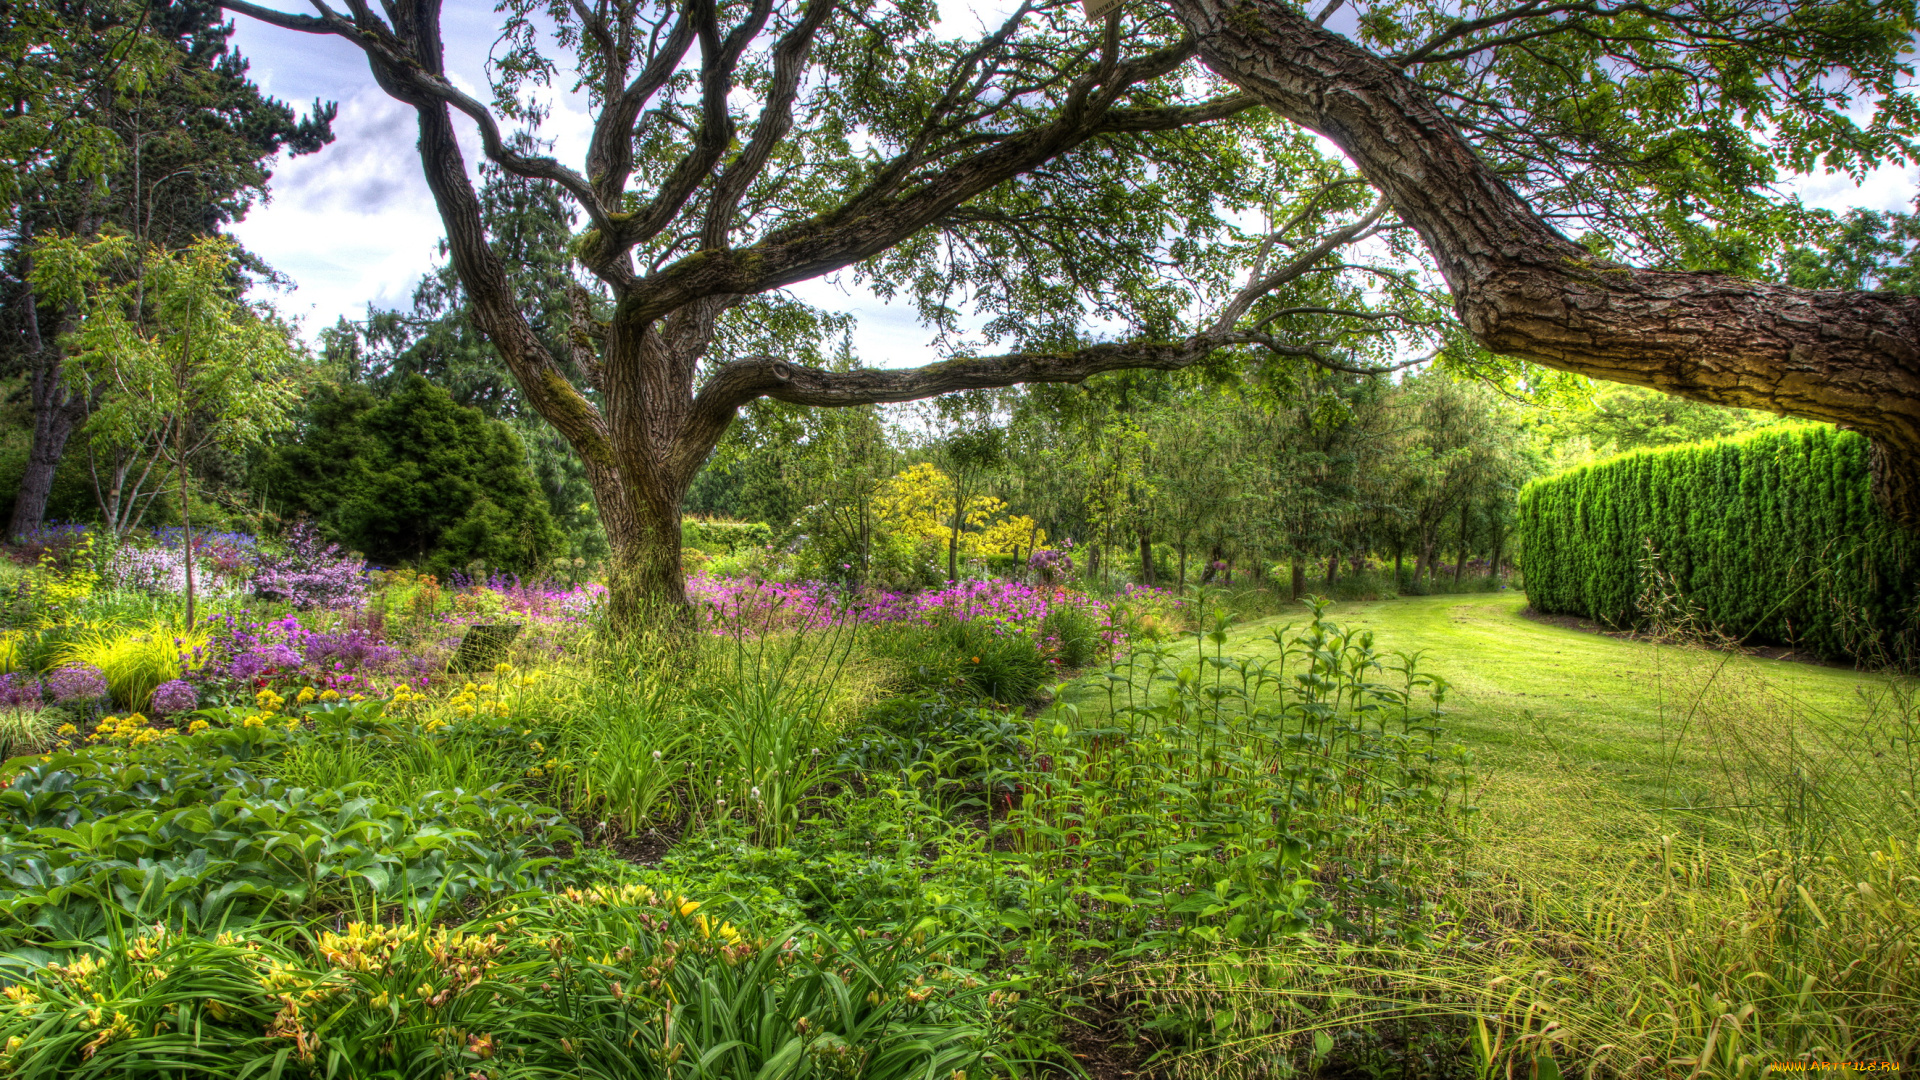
(1773, 537)
(413, 478)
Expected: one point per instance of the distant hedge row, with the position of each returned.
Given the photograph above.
(1773, 537)
(724, 537)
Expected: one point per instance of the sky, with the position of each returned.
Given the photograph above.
(354, 224)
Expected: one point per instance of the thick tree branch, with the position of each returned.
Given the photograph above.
(776, 119)
(1524, 290)
(610, 153)
(822, 245)
(734, 384)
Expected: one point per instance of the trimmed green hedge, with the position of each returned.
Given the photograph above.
(1773, 537)
(724, 537)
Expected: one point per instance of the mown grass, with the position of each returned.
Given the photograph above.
(1689, 863)
(1529, 696)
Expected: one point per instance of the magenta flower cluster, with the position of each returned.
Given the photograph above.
(174, 696)
(309, 572)
(21, 693)
(736, 605)
(77, 682)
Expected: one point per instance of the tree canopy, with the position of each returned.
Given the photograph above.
(1100, 201)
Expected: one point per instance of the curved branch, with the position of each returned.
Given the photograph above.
(419, 82)
(734, 384)
(823, 244)
(1523, 289)
(776, 119)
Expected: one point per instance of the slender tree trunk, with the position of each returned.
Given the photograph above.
(1146, 558)
(1333, 569)
(1398, 551)
(186, 509)
(57, 411)
(1499, 543)
(1299, 577)
(953, 536)
(1460, 564)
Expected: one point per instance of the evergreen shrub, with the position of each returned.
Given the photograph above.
(724, 537)
(1773, 537)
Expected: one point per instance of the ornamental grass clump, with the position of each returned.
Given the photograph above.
(133, 661)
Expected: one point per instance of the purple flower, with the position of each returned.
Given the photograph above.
(354, 648)
(251, 662)
(174, 696)
(310, 572)
(22, 693)
(77, 682)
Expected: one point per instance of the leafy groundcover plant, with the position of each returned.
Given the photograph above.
(615, 982)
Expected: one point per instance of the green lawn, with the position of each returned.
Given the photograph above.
(1533, 699)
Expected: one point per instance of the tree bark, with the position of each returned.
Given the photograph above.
(1146, 559)
(1299, 577)
(57, 411)
(1333, 569)
(1460, 563)
(54, 421)
(1523, 289)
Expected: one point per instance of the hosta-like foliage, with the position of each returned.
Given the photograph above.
(1774, 538)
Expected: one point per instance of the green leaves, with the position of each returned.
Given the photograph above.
(1773, 538)
(188, 835)
(179, 359)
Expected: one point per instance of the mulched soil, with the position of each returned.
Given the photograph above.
(646, 849)
(1764, 652)
(1103, 1044)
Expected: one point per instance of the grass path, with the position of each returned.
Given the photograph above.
(1532, 699)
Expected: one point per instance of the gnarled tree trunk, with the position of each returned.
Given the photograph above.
(1523, 289)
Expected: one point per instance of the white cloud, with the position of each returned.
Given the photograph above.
(1890, 187)
(352, 224)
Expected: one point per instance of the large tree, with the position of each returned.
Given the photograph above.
(1053, 172)
(1043, 169)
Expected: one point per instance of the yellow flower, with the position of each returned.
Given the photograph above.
(331, 695)
(306, 695)
(197, 727)
(255, 720)
(502, 668)
(66, 729)
(688, 907)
